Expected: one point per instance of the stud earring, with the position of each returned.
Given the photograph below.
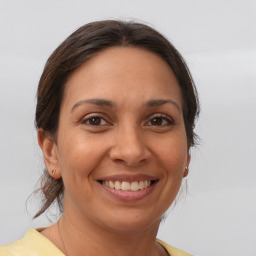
(186, 172)
(53, 172)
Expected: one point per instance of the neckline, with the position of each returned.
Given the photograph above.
(37, 242)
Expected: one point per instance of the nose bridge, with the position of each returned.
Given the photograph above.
(129, 145)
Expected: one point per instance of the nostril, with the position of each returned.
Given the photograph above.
(130, 152)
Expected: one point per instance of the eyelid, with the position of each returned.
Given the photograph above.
(102, 116)
(161, 115)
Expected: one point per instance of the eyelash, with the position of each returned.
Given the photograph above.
(162, 117)
(93, 117)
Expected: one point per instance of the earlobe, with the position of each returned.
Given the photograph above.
(185, 174)
(50, 154)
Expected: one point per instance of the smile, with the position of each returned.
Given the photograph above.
(128, 186)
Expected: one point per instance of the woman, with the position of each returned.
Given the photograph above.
(116, 108)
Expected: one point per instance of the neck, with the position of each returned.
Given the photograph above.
(85, 238)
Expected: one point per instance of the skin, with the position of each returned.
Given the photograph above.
(128, 137)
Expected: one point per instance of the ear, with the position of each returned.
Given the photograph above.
(185, 174)
(50, 153)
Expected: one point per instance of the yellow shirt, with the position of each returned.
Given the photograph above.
(35, 244)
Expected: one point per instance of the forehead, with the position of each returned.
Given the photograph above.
(119, 72)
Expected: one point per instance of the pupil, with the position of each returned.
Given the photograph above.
(157, 121)
(95, 120)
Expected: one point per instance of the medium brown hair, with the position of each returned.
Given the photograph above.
(82, 45)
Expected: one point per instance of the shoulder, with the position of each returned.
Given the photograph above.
(32, 244)
(172, 250)
(13, 249)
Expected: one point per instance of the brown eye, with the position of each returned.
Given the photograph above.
(157, 121)
(160, 121)
(95, 121)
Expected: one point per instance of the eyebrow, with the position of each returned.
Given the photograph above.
(98, 102)
(111, 104)
(160, 102)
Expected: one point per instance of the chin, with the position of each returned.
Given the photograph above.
(132, 222)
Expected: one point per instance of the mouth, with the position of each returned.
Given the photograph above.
(126, 185)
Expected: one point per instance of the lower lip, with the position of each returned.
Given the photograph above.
(129, 195)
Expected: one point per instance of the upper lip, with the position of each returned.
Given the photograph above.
(129, 178)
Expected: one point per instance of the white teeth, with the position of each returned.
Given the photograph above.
(127, 186)
(117, 185)
(134, 186)
(141, 184)
(111, 184)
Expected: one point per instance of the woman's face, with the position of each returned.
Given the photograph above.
(121, 145)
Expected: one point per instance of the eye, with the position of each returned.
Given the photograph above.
(95, 121)
(160, 120)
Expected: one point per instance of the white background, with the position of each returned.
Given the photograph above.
(218, 40)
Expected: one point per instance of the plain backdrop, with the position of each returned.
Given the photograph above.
(218, 41)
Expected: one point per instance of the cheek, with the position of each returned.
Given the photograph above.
(79, 155)
(172, 159)
(172, 153)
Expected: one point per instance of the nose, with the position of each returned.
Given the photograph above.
(129, 147)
